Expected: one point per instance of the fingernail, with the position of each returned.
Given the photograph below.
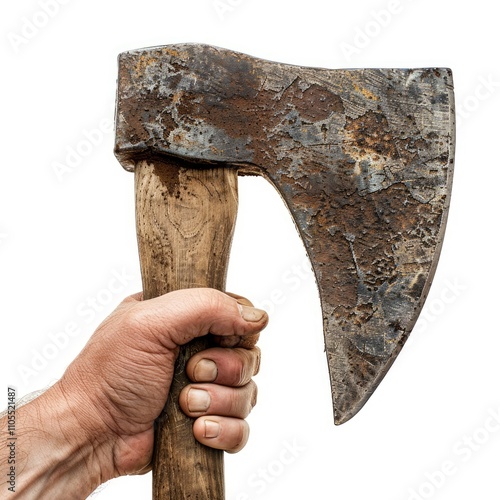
(198, 400)
(205, 371)
(212, 429)
(251, 314)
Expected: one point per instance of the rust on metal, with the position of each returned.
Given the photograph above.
(363, 159)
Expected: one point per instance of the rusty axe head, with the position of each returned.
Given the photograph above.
(363, 159)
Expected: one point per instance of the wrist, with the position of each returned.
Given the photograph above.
(57, 456)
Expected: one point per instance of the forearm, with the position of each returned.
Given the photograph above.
(46, 454)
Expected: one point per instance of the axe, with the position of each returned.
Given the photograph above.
(363, 159)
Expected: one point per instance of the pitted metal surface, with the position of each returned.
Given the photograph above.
(362, 158)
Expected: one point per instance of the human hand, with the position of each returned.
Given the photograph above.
(100, 415)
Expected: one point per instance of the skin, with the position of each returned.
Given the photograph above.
(96, 423)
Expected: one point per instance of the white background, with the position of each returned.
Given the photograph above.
(62, 239)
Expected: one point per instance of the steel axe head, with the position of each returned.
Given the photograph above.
(363, 158)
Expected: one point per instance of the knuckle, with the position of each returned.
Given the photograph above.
(254, 394)
(212, 298)
(244, 400)
(134, 319)
(257, 360)
(142, 324)
(246, 365)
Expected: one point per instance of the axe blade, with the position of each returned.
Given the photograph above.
(363, 158)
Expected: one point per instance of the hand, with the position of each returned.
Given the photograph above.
(97, 422)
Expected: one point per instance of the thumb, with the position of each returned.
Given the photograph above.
(178, 317)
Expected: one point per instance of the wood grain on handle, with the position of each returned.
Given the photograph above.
(185, 224)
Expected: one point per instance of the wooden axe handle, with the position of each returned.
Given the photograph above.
(185, 223)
